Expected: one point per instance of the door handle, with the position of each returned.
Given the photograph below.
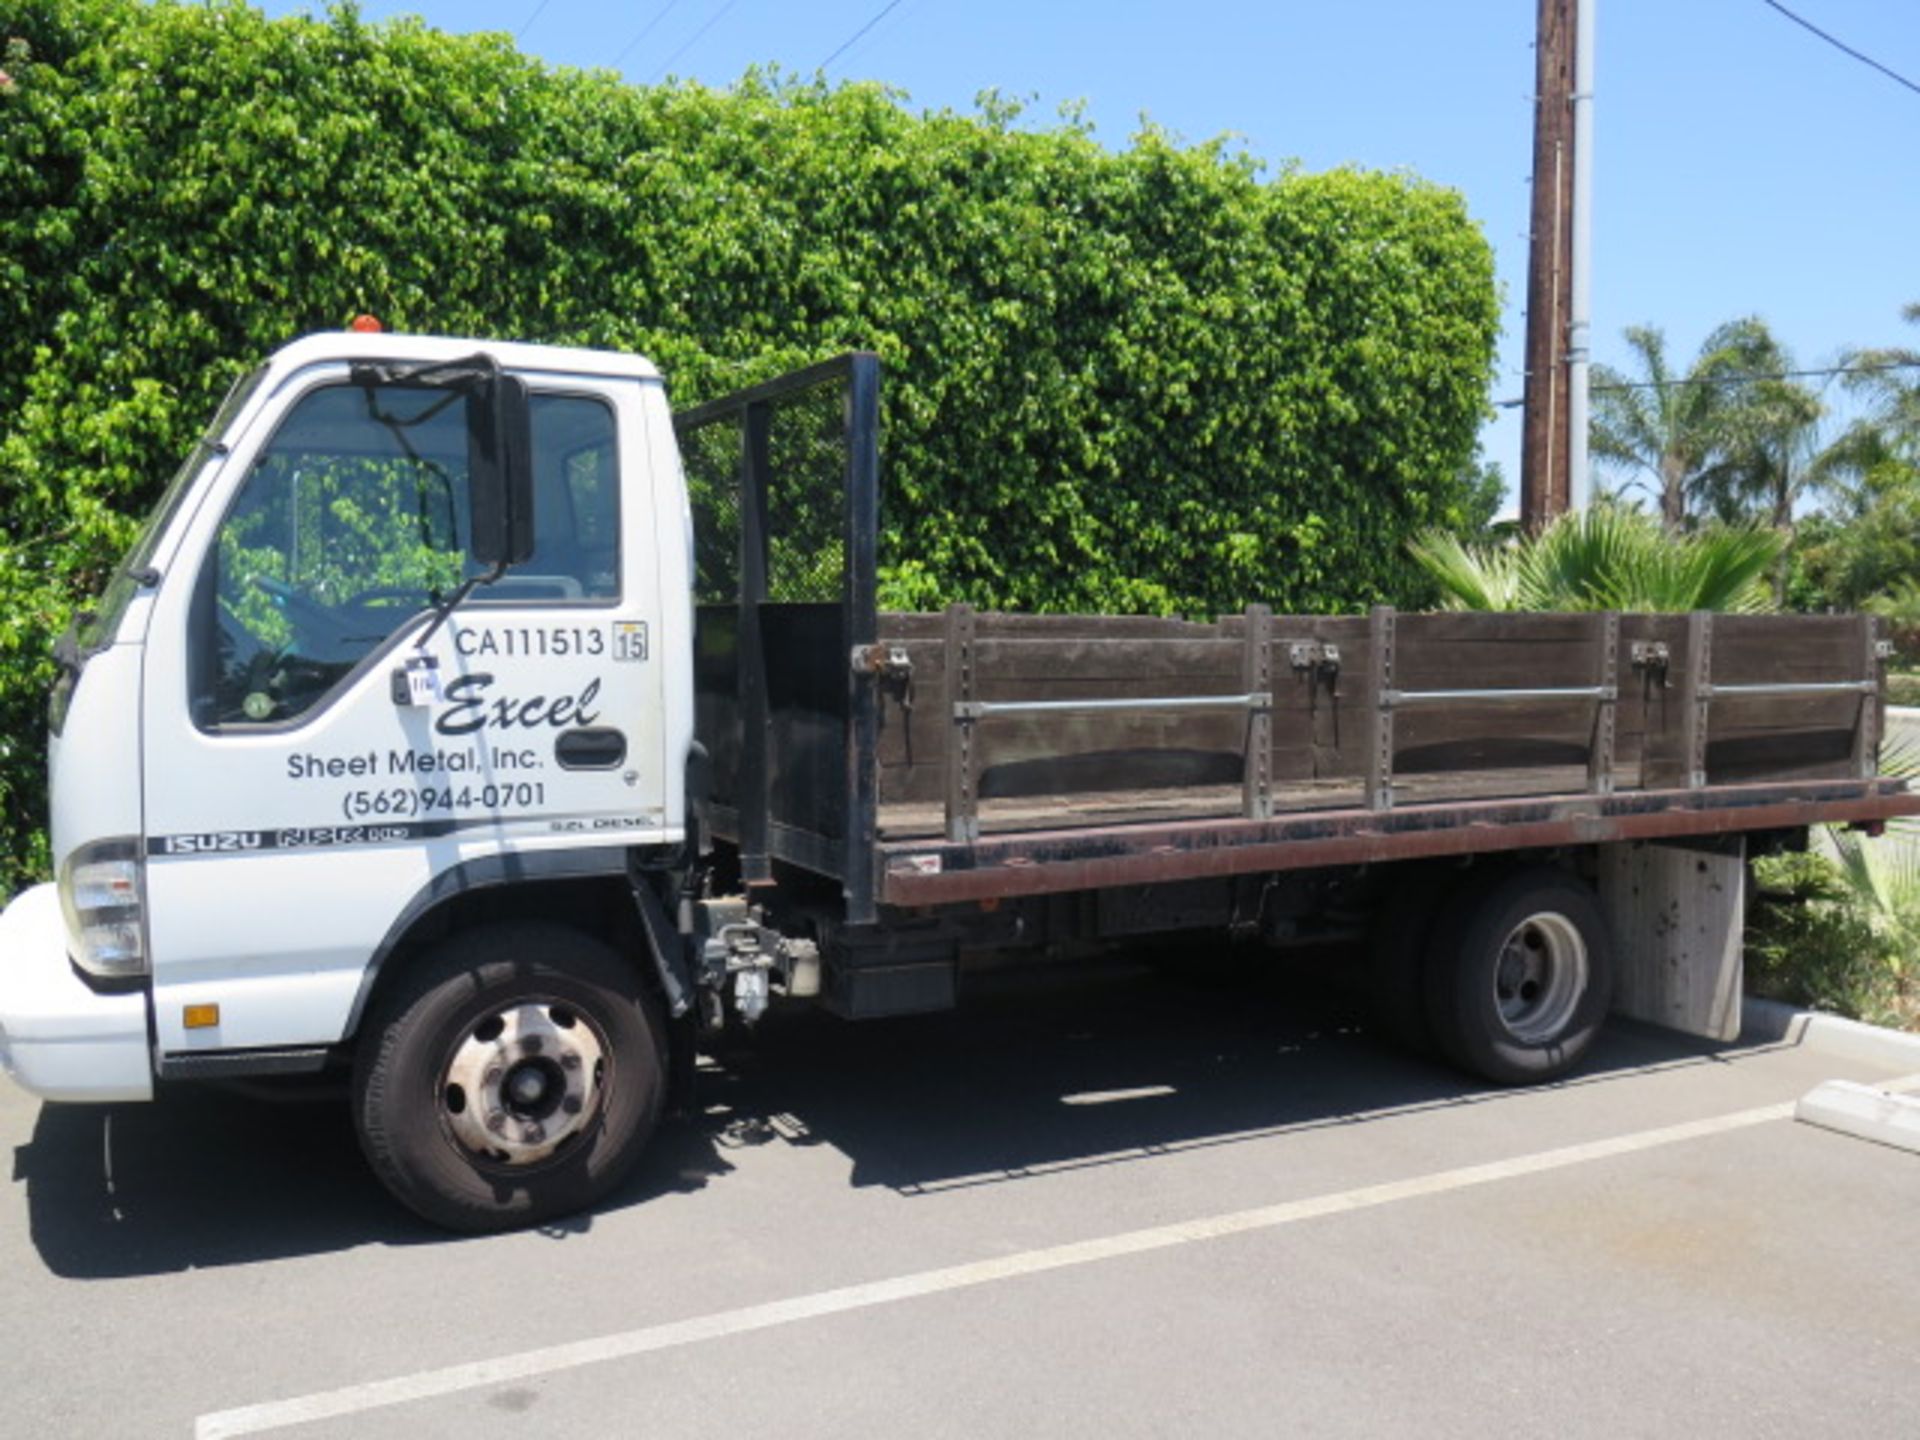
(599, 747)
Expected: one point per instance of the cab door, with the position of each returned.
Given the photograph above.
(328, 748)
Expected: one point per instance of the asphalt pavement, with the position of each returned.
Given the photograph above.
(1112, 1204)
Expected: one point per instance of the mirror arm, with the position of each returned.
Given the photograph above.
(453, 601)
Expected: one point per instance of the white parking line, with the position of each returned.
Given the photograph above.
(528, 1364)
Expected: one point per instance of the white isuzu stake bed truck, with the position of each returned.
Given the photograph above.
(468, 723)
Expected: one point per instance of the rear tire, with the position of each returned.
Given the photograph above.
(1520, 976)
(514, 1075)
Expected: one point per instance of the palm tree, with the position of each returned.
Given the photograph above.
(1769, 433)
(1885, 442)
(1670, 427)
(1771, 450)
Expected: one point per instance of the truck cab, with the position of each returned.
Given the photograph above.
(392, 641)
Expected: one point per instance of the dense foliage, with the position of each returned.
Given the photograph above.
(1144, 380)
(1838, 928)
(1811, 941)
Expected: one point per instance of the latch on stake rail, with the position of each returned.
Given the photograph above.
(882, 661)
(1651, 656)
(1320, 656)
(891, 669)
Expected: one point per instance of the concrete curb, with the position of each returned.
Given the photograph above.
(1829, 1034)
(1863, 1112)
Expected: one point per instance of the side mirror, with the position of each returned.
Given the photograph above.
(500, 471)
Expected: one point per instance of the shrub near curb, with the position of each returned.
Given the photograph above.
(1138, 381)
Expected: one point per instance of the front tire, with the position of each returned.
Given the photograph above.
(1521, 975)
(513, 1076)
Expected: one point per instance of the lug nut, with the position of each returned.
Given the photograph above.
(497, 1121)
(533, 1134)
(571, 1104)
(570, 1060)
(531, 1045)
(493, 1074)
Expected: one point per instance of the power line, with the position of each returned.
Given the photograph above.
(847, 44)
(1739, 378)
(1842, 45)
(694, 39)
(520, 34)
(645, 30)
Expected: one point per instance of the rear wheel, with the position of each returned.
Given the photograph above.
(514, 1075)
(1520, 977)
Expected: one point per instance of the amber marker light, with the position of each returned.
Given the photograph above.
(200, 1017)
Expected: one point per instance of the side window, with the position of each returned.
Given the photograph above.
(576, 516)
(355, 518)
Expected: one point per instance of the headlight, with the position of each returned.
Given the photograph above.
(103, 893)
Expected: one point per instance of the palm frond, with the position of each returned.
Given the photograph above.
(1724, 568)
(1607, 557)
(1900, 758)
(1471, 577)
(1900, 602)
(1882, 883)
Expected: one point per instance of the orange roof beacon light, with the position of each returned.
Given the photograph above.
(365, 325)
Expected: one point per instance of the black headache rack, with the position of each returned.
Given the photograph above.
(784, 481)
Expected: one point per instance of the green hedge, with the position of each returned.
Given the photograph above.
(1143, 380)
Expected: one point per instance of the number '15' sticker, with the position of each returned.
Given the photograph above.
(630, 640)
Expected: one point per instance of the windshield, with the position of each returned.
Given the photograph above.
(98, 627)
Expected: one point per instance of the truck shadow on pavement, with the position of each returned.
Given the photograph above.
(207, 1178)
(1034, 1074)
(1060, 1072)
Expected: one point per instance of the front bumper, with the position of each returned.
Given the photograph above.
(58, 1038)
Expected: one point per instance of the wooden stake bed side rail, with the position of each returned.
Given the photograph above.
(1058, 753)
(1036, 722)
(923, 873)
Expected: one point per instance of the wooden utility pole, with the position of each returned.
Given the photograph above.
(1544, 465)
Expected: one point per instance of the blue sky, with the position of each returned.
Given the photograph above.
(1741, 165)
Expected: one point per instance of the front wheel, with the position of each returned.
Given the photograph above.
(1520, 976)
(514, 1075)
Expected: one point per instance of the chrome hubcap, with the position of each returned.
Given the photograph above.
(523, 1082)
(1539, 978)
